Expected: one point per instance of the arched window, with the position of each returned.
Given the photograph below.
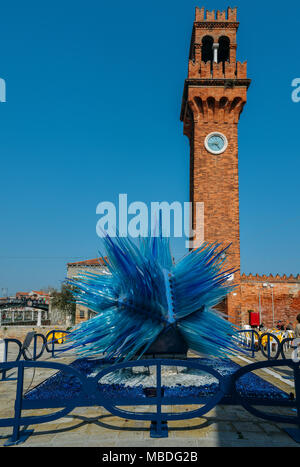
(211, 103)
(199, 104)
(234, 103)
(223, 102)
(211, 106)
(207, 49)
(224, 47)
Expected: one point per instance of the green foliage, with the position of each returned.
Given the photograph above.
(63, 300)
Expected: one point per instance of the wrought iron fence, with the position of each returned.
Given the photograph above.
(252, 342)
(263, 343)
(91, 393)
(49, 345)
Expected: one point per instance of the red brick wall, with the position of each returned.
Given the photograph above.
(286, 293)
(216, 183)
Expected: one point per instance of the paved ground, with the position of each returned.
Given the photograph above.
(94, 426)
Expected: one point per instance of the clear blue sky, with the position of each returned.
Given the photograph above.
(93, 101)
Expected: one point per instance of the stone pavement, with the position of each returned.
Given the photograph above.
(94, 426)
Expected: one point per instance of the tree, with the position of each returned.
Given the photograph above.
(64, 301)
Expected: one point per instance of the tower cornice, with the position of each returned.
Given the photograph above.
(226, 82)
(216, 25)
(198, 82)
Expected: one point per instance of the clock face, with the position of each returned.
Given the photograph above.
(216, 143)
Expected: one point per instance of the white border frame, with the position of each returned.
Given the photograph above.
(217, 133)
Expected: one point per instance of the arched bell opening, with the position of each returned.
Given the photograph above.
(224, 51)
(207, 49)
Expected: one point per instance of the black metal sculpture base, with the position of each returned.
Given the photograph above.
(169, 342)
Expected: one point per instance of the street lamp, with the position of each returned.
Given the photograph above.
(259, 301)
(273, 311)
(266, 285)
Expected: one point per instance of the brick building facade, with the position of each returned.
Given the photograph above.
(273, 297)
(214, 95)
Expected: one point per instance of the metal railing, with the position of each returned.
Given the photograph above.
(10, 317)
(91, 393)
(49, 345)
(23, 302)
(252, 342)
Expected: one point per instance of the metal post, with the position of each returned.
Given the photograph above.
(259, 306)
(158, 428)
(295, 432)
(53, 345)
(18, 404)
(5, 359)
(158, 395)
(39, 320)
(18, 437)
(252, 344)
(34, 347)
(273, 311)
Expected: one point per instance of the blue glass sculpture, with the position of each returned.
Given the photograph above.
(144, 296)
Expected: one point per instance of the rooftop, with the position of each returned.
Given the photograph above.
(90, 262)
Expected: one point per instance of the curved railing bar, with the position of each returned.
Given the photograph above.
(91, 394)
(35, 338)
(6, 344)
(253, 348)
(17, 421)
(270, 337)
(245, 402)
(35, 356)
(54, 341)
(15, 341)
(282, 344)
(260, 347)
(212, 400)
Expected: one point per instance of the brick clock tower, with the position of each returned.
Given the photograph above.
(214, 96)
